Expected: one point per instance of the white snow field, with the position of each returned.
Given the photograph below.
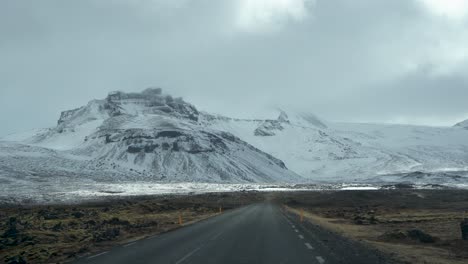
(348, 152)
(150, 143)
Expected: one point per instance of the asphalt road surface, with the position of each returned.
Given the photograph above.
(259, 233)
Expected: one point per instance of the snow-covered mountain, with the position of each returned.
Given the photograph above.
(139, 136)
(347, 152)
(151, 136)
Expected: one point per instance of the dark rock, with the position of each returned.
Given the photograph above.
(108, 234)
(116, 221)
(12, 231)
(394, 235)
(91, 222)
(47, 215)
(15, 260)
(78, 214)
(57, 227)
(464, 228)
(134, 149)
(417, 234)
(165, 146)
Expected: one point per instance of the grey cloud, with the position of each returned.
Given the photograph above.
(347, 60)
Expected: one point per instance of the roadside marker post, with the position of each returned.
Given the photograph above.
(464, 227)
(180, 219)
(220, 210)
(302, 215)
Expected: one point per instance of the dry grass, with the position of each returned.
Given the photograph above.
(60, 233)
(383, 221)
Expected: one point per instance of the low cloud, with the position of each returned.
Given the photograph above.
(366, 60)
(269, 15)
(451, 9)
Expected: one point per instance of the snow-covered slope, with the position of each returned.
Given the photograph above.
(140, 136)
(463, 124)
(351, 152)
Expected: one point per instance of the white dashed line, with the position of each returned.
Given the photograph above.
(98, 255)
(293, 226)
(295, 230)
(188, 255)
(320, 259)
(309, 246)
(216, 236)
(129, 244)
(301, 236)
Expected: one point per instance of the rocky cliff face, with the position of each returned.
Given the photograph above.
(270, 127)
(150, 101)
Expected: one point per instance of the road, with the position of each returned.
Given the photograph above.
(258, 233)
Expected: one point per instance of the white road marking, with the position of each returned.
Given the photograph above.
(129, 244)
(188, 255)
(295, 230)
(320, 259)
(309, 246)
(97, 255)
(216, 236)
(301, 236)
(293, 226)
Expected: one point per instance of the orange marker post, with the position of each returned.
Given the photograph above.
(180, 219)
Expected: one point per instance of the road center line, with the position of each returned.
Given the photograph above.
(309, 246)
(295, 230)
(188, 255)
(216, 236)
(129, 244)
(97, 255)
(320, 259)
(301, 236)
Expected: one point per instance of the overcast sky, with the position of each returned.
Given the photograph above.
(400, 61)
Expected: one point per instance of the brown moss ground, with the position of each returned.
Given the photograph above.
(382, 219)
(61, 233)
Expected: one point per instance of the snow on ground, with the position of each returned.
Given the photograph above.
(22, 136)
(70, 139)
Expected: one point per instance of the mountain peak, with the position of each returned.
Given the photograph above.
(149, 101)
(300, 118)
(463, 124)
(283, 117)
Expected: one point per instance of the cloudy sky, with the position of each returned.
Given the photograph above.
(398, 61)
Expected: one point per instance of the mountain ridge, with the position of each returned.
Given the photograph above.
(154, 136)
(124, 132)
